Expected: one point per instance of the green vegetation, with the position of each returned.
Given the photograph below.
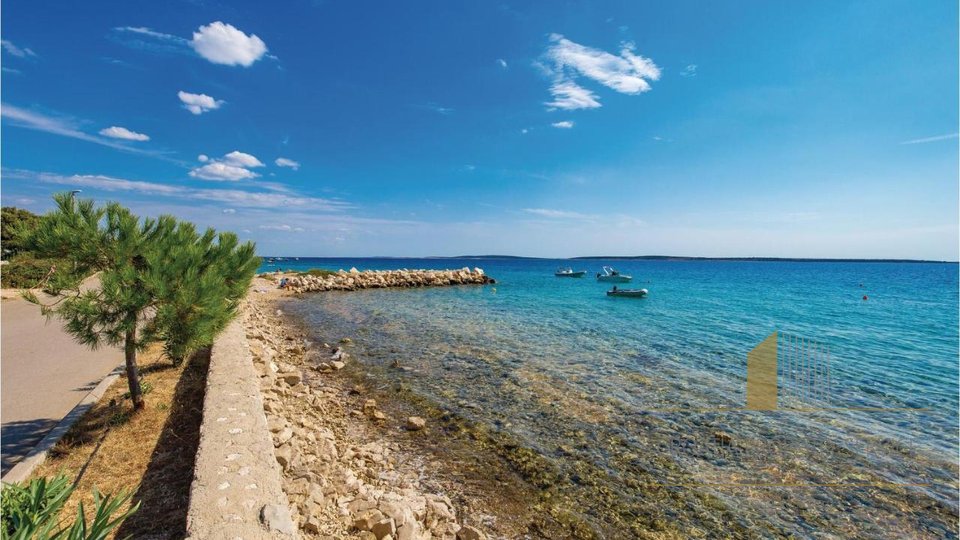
(23, 269)
(32, 511)
(318, 272)
(13, 221)
(159, 280)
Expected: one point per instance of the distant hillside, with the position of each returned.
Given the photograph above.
(746, 259)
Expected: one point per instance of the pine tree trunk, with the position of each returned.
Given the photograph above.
(133, 374)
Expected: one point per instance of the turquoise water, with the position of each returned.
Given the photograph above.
(541, 357)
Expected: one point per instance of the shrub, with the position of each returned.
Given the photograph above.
(318, 272)
(14, 222)
(32, 511)
(24, 271)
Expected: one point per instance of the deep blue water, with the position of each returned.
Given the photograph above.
(502, 353)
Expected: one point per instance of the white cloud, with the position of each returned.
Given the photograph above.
(689, 71)
(221, 43)
(232, 197)
(117, 132)
(932, 139)
(232, 167)
(502, 62)
(16, 51)
(566, 124)
(198, 103)
(222, 171)
(627, 73)
(284, 162)
(570, 96)
(241, 159)
(229, 211)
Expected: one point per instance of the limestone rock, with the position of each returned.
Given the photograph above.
(384, 527)
(415, 423)
(468, 532)
(276, 518)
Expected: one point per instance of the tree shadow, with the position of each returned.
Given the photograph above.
(17, 439)
(164, 492)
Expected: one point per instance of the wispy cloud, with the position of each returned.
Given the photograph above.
(231, 197)
(224, 44)
(566, 61)
(60, 125)
(607, 220)
(199, 103)
(565, 124)
(502, 63)
(19, 52)
(557, 214)
(283, 227)
(117, 132)
(439, 109)
(570, 96)
(689, 71)
(932, 139)
(285, 162)
(146, 39)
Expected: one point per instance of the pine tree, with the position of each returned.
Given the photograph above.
(114, 243)
(159, 280)
(201, 287)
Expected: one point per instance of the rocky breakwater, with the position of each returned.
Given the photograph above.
(378, 279)
(343, 478)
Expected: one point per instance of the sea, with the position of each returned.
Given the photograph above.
(648, 397)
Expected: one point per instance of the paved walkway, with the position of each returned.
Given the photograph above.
(44, 373)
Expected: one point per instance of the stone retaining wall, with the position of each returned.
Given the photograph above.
(236, 490)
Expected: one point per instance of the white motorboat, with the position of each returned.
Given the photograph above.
(609, 275)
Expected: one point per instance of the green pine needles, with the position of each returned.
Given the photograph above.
(152, 279)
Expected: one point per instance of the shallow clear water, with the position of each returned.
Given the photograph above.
(619, 384)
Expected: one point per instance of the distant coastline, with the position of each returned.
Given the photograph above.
(634, 258)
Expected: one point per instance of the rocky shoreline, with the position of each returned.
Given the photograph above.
(377, 279)
(341, 482)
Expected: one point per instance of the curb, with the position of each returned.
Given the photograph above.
(38, 455)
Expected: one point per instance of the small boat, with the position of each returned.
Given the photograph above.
(629, 293)
(568, 272)
(609, 275)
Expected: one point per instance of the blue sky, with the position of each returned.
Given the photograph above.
(814, 129)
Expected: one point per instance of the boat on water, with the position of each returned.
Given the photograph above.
(629, 293)
(609, 275)
(569, 272)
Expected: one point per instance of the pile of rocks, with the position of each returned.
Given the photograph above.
(378, 279)
(340, 482)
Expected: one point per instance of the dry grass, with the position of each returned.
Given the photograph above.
(150, 452)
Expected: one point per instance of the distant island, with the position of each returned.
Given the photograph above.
(628, 258)
(686, 258)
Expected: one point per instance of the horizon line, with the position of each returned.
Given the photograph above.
(627, 257)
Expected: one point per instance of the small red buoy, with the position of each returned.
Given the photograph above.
(864, 297)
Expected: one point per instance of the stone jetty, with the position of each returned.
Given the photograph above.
(377, 279)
